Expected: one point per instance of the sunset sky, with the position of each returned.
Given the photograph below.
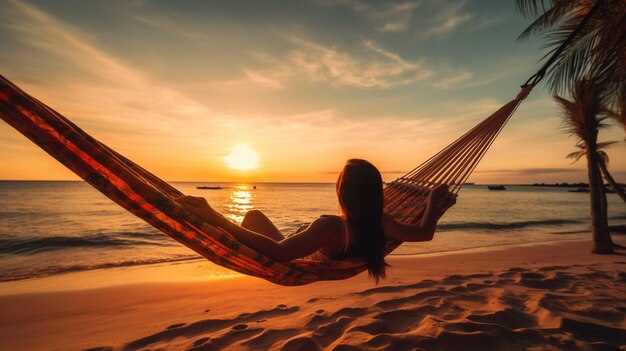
(188, 89)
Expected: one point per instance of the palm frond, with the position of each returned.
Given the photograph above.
(598, 49)
(532, 8)
(571, 124)
(576, 155)
(572, 64)
(603, 156)
(618, 110)
(585, 114)
(549, 17)
(605, 144)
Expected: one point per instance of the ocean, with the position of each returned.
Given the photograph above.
(55, 227)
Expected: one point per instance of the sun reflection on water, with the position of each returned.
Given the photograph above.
(241, 199)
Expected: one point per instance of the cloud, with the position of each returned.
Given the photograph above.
(396, 17)
(371, 67)
(145, 119)
(96, 79)
(365, 65)
(428, 17)
(454, 79)
(115, 100)
(486, 21)
(164, 23)
(387, 16)
(263, 80)
(446, 17)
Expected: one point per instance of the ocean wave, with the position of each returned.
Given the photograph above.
(14, 245)
(494, 226)
(25, 246)
(52, 270)
(22, 214)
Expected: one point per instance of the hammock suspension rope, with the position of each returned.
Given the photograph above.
(153, 200)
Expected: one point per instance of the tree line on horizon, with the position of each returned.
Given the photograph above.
(574, 185)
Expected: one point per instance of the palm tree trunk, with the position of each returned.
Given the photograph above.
(605, 172)
(605, 211)
(602, 243)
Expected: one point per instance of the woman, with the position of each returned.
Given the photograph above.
(361, 229)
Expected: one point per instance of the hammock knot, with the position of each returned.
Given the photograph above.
(524, 92)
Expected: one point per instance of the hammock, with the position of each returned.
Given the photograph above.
(152, 199)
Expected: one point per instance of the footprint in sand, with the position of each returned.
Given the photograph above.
(177, 325)
(517, 269)
(300, 343)
(200, 341)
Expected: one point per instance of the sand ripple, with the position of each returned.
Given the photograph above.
(548, 308)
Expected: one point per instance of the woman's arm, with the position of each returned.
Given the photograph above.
(418, 232)
(300, 245)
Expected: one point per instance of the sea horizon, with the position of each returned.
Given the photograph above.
(68, 226)
(295, 182)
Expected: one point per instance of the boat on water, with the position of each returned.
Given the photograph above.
(579, 190)
(496, 187)
(209, 187)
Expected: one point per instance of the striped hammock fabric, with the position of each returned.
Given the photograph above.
(152, 199)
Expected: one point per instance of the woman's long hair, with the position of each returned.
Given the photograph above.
(360, 194)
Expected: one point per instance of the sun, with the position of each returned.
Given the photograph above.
(242, 158)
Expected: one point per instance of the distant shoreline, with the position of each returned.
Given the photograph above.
(561, 185)
(554, 185)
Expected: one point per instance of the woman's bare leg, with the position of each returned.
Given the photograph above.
(258, 222)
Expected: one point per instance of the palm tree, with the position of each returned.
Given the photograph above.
(594, 32)
(619, 113)
(583, 117)
(603, 161)
(597, 50)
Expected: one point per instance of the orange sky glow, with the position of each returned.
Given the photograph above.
(178, 93)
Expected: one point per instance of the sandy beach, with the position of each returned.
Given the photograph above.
(550, 296)
(475, 146)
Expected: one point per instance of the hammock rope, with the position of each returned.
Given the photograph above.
(453, 165)
(153, 200)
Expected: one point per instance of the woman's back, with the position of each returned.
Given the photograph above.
(338, 246)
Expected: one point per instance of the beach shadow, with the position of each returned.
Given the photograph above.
(210, 326)
(553, 307)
